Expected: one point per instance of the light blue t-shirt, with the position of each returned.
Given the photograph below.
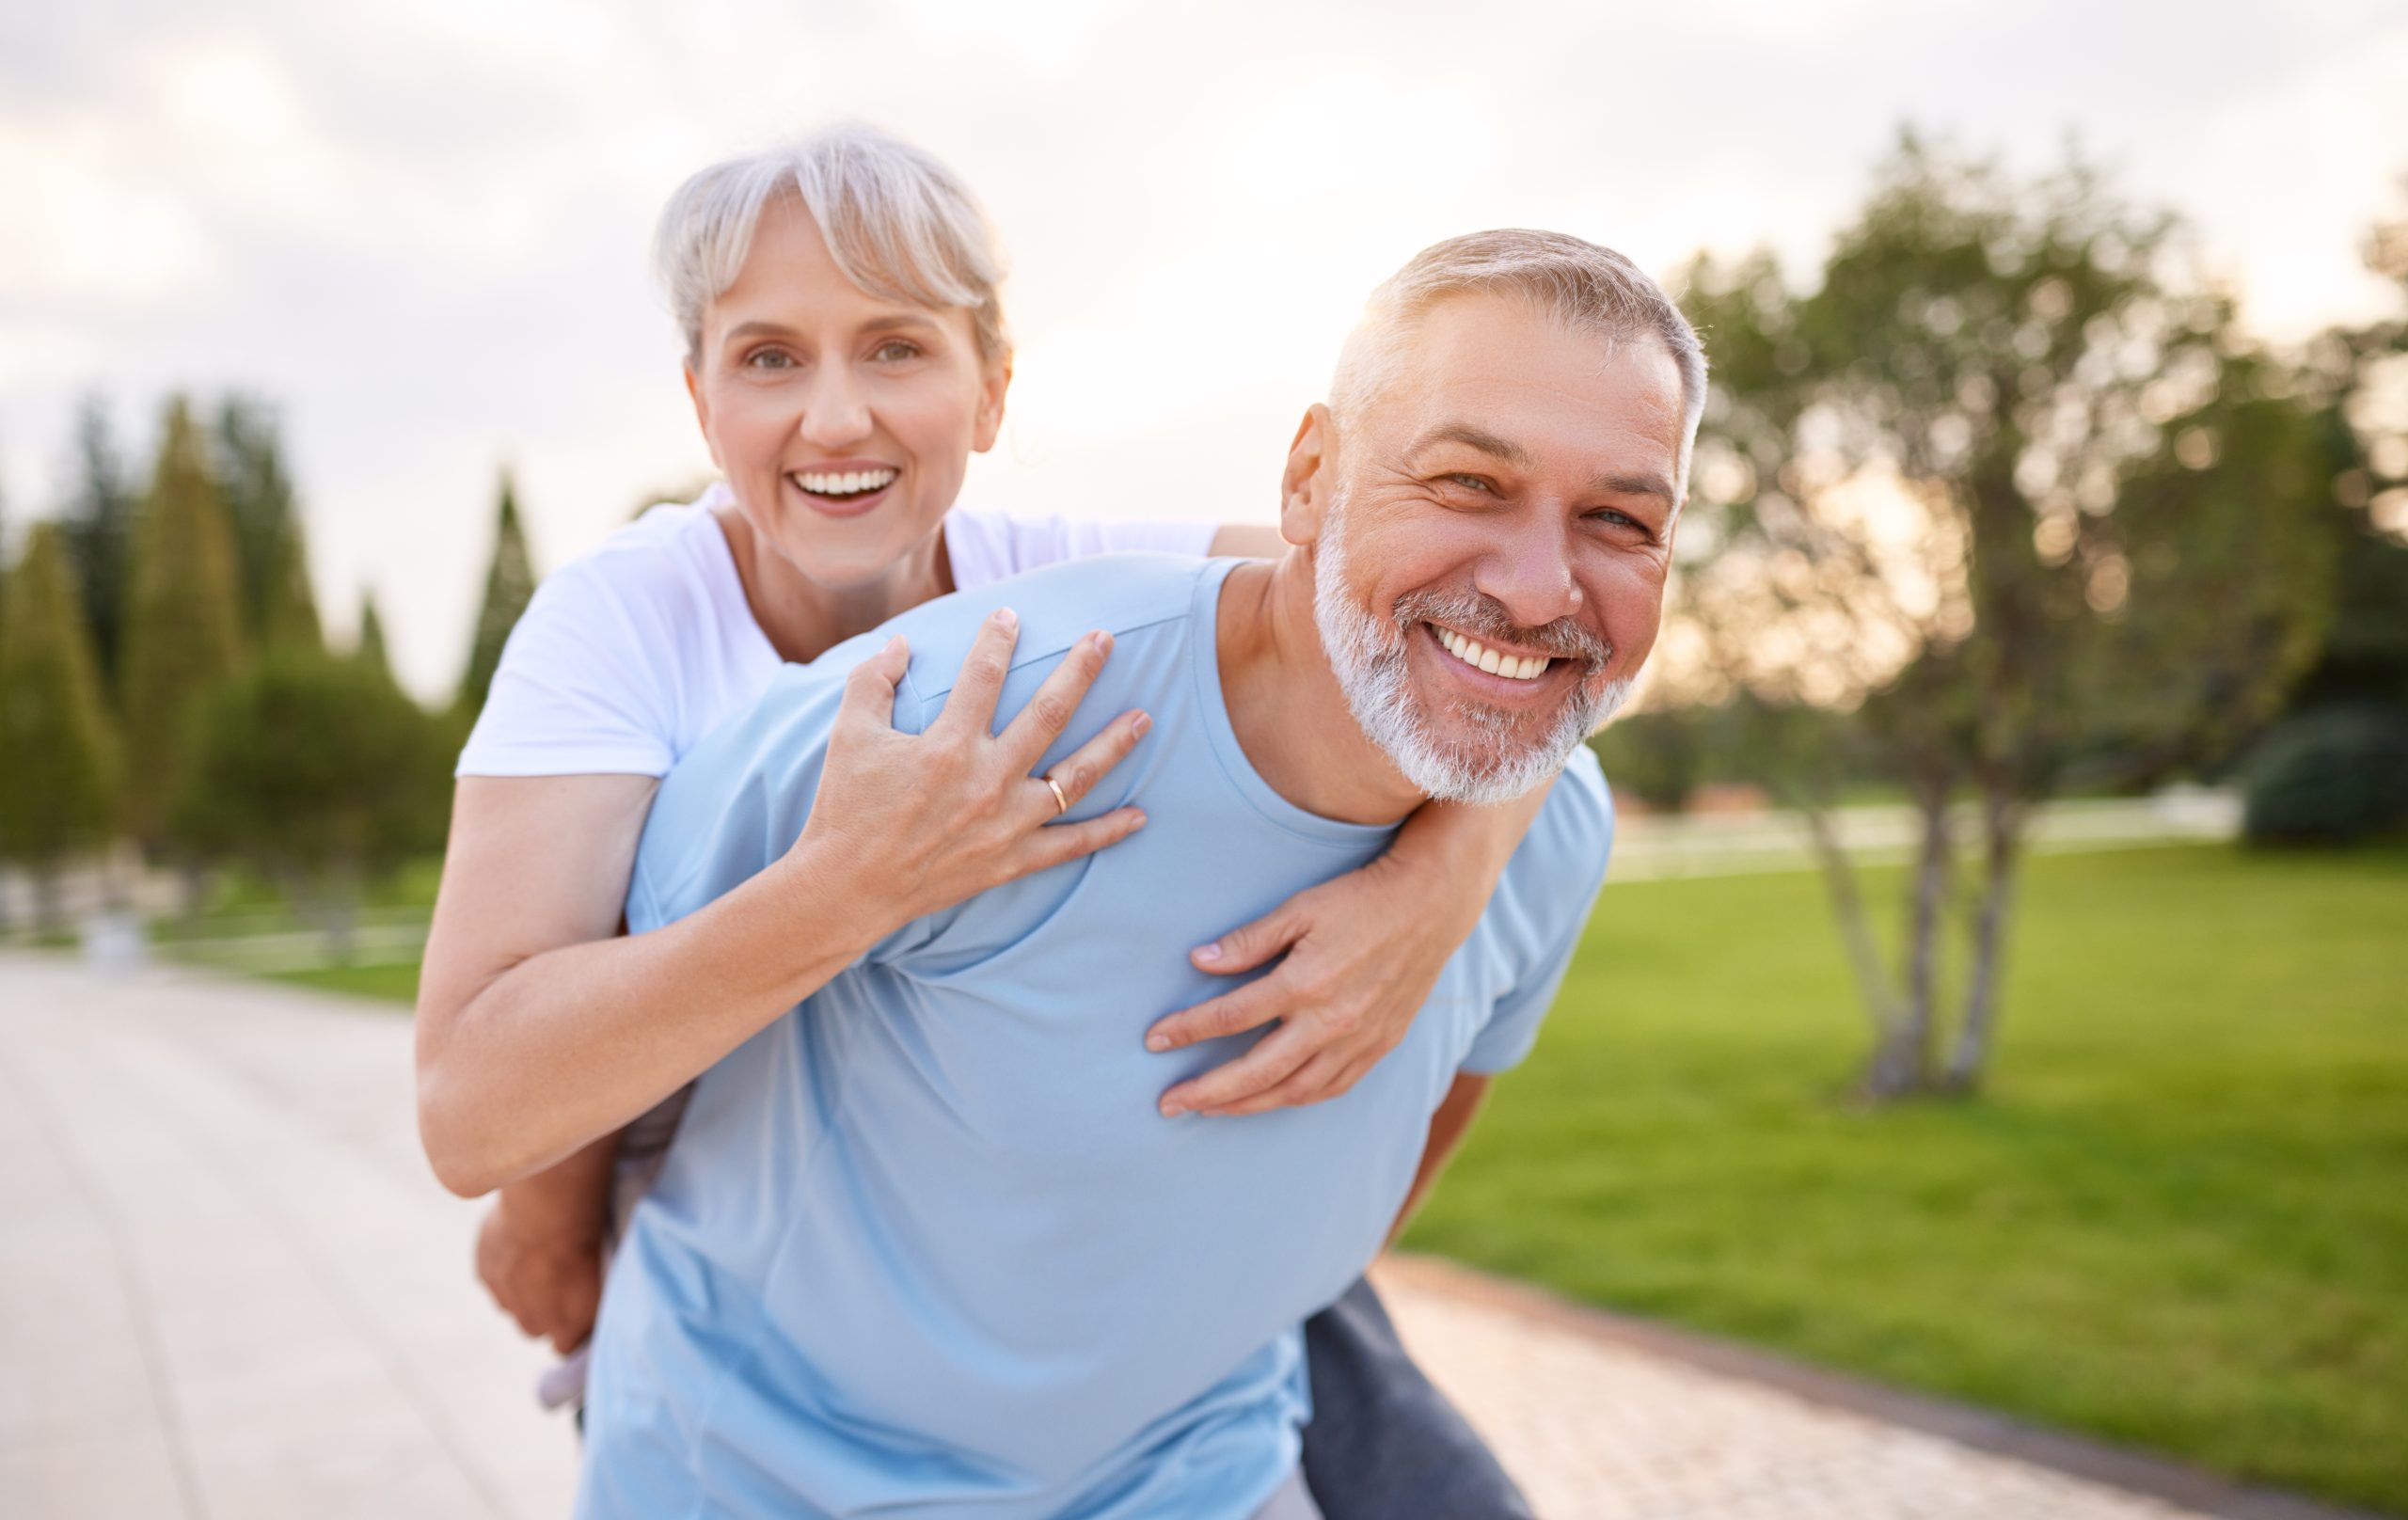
(922, 1247)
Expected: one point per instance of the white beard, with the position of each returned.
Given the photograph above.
(1370, 661)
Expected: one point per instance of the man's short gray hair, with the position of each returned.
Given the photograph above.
(900, 225)
(1578, 284)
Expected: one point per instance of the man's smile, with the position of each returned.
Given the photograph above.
(1513, 665)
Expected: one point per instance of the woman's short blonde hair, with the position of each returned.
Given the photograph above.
(900, 224)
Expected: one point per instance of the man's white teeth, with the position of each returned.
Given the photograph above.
(1472, 652)
(850, 483)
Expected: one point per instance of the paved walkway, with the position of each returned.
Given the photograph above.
(229, 1289)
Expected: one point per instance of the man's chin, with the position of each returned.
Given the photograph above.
(1480, 770)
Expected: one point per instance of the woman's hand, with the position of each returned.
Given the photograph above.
(928, 820)
(1363, 952)
(548, 1281)
(538, 1033)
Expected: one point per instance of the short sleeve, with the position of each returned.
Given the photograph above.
(1512, 1025)
(579, 690)
(1573, 838)
(992, 545)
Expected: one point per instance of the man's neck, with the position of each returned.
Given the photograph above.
(1290, 714)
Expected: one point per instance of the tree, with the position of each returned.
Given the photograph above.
(2335, 769)
(510, 584)
(320, 772)
(268, 545)
(1657, 756)
(2014, 495)
(184, 618)
(97, 518)
(57, 749)
(289, 617)
(370, 650)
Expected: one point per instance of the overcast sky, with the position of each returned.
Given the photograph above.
(421, 228)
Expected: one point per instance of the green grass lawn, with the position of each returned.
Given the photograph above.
(2177, 1219)
(398, 984)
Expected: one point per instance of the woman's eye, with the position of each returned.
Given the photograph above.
(769, 358)
(1472, 482)
(896, 349)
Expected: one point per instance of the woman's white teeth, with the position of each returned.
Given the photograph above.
(850, 483)
(1472, 652)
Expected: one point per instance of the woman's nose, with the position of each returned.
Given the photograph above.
(835, 410)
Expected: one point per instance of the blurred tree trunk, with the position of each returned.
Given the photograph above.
(2001, 841)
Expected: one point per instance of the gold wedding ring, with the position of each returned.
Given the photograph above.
(1061, 803)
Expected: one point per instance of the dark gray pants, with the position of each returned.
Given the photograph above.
(1385, 1444)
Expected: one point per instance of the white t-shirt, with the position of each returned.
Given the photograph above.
(627, 655)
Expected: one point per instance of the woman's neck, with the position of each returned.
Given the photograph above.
(803, 619)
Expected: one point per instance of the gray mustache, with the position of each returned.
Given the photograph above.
(1485, 618)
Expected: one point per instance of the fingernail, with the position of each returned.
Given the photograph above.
(1006, 618)
(1099, 641)
(1140, 724)
(1158, 1042)
(1208, 952)
(1171, 1110)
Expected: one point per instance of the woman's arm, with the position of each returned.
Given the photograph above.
(1363, 951)
(1247, 540)
(538, 1033)
(539, 1247)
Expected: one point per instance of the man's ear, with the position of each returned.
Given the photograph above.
(996, 380)
(702, 414)
(1311, 475)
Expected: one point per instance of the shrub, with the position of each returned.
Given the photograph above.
(2333, 775)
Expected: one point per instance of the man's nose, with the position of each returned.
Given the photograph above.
(1528, 570)
(835, 410)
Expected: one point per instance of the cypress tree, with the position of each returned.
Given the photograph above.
(97, 518)
(257, 490)
(288, 618)
(184, 631)
(370, 651)
(57, 749)
(510, 583)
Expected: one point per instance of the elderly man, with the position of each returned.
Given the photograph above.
(925, 1246)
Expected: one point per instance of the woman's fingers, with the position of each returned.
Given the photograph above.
(1244, 948)
(1033, 730)
(1060, 842)
(1310, 1082)
(1232, 1013)
(1275, 1058)
(869, 690)
(1077, 772)
(970, 706)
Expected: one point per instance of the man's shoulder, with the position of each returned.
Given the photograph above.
(1577, 826)
(1552, 881)
(1123, 594)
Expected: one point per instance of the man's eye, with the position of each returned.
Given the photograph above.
(768, 358)
(1473, 482)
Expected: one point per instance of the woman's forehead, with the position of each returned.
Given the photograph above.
(790, 281)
